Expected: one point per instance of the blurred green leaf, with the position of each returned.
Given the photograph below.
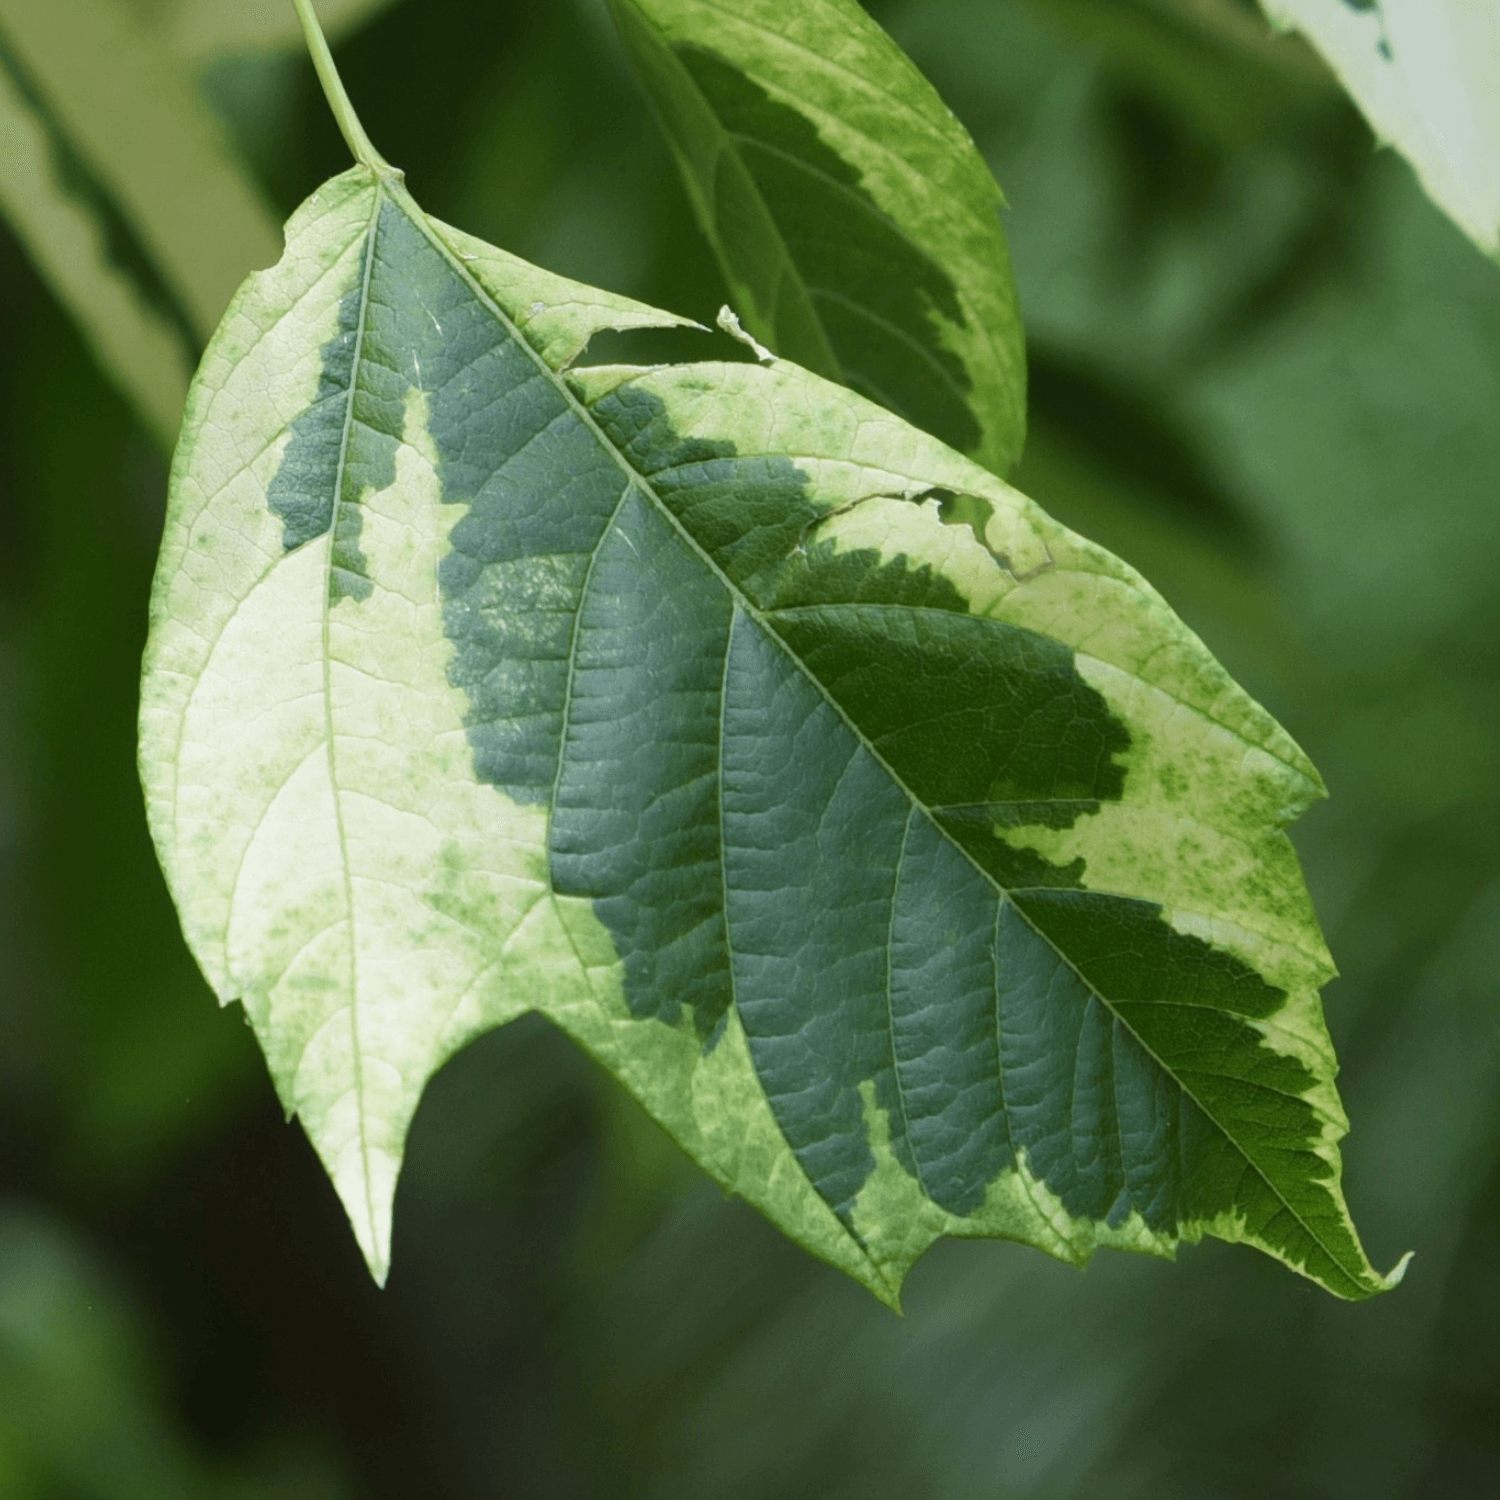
(130, 110)
(1426, 73)
(1212, 61)
(854, 221)
(208, 29)
(81, 1402)
(139, 346)
(75, 1393)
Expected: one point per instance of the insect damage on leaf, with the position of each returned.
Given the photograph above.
(920, 878)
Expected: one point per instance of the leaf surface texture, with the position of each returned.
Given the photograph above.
(920, 878)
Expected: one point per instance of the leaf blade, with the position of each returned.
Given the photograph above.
(649, 699)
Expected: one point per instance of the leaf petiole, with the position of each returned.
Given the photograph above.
(338, 101)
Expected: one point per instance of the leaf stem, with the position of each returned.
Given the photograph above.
(338, 101)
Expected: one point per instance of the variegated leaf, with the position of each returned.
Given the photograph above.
(855, 221)
(901, 851)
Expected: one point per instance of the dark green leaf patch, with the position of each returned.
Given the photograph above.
(635, 821)
(321, 444)
(812, 831)
(943, 950)
(963, 709)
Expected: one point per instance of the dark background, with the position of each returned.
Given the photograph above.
(1265, 370)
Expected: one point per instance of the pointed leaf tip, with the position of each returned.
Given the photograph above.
(365, 1181)
(1397, 1274)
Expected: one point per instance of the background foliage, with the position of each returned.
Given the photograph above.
(1264, 370)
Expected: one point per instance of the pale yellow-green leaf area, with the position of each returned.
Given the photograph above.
(260, 372)
(371, 903)
(339, 870)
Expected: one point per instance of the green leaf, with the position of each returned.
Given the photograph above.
(132, 113)
(901, 851)
(1426, 73)
(133, 340)
(853, 217)
(1212, 62)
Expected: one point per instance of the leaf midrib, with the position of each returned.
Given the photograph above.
(371, 233)
(400, 197)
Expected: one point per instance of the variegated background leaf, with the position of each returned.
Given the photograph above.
(852, 216)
